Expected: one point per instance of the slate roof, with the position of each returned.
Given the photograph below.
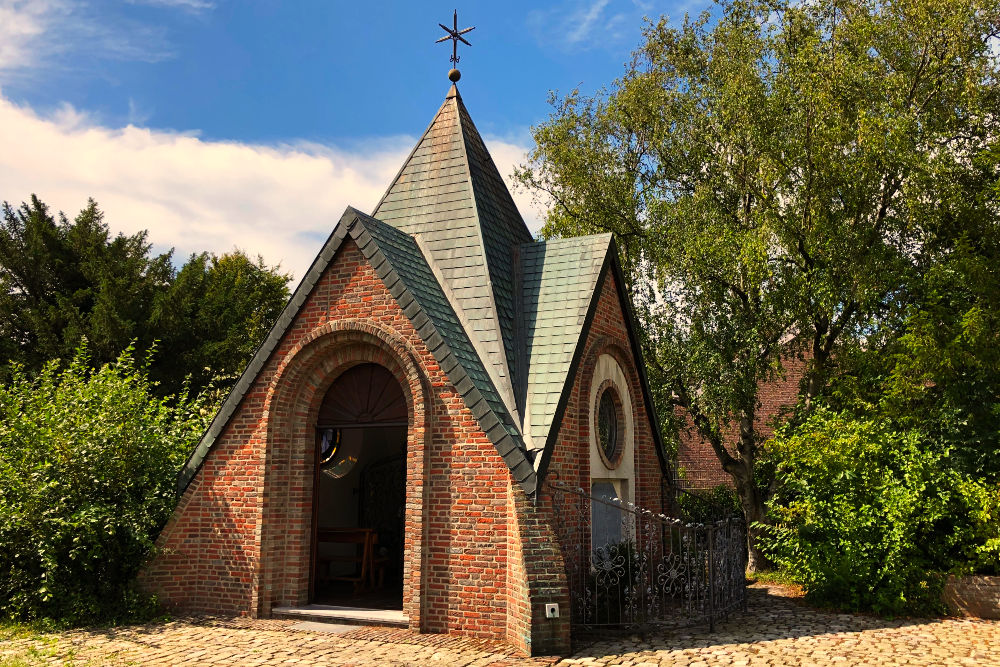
(399, 263)
(559, 281)
(504, 316)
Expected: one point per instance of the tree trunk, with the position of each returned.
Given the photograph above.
(753, 512)
(740, 468)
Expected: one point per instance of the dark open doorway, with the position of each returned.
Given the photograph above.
(359, 497)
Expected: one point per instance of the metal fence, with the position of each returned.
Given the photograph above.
(629, 567)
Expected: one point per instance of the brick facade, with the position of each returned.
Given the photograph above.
(481, 558)
(239, 541)
(697, 465)
(976, 596)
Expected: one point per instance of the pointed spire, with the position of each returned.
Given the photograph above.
(451, 197)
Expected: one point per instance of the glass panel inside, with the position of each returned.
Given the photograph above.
(607, 425)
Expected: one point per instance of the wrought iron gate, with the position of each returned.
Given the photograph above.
(649, 569)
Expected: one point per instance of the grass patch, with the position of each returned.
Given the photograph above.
(40, 643)
(10, 630)
(776, 578)
(44, 645)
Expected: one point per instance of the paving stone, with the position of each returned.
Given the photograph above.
(777, 630)
(332, 628)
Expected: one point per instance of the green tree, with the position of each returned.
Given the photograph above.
(771, 174)
(943, 375)
(88, 470)
(61, 281)
(215, 314)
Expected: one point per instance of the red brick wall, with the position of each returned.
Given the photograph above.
(537, 576)
(977, 596)
(698, 466)
(240, 538)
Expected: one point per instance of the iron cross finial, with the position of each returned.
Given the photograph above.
(455, 35)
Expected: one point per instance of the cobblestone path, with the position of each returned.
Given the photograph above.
(776, 631)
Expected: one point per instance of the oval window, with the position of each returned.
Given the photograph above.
(609, 426)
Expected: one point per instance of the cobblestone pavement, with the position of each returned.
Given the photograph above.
(777, 630)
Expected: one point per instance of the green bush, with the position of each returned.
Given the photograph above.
(868, 518)
(88, 467)
(706, 506)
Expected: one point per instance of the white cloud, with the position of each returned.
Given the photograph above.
(24, 23)
(580, 24)
(45, 33)
(192, 194)
(583, 21)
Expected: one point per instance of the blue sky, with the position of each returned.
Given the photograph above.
(218, 124)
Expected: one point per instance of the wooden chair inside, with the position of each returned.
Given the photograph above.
(369, 572)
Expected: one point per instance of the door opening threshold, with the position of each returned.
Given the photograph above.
(325, 613)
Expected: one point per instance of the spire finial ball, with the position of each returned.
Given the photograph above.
(454, 75)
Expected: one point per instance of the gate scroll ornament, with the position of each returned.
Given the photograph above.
(661, 572)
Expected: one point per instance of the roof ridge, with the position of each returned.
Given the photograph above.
(462, 108)
(505, 385)
(505, 376)
(494, 212)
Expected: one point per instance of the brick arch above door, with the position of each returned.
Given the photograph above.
(294, 396)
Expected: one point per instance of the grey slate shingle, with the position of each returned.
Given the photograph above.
(470, 225)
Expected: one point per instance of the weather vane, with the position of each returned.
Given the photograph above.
(455, 35)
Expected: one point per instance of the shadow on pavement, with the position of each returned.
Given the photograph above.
(772, 614)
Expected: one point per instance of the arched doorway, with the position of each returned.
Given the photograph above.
(360, 489)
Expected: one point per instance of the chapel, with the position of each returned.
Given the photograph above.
(387, 454)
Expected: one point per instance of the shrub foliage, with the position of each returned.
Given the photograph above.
(709, 505)
(870, 518)
(88, 463)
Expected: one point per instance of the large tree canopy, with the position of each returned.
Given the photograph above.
(217, 311)
(62, 280)
(779, 176)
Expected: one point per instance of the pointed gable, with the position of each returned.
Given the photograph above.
(399, 263)
(450, 196)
